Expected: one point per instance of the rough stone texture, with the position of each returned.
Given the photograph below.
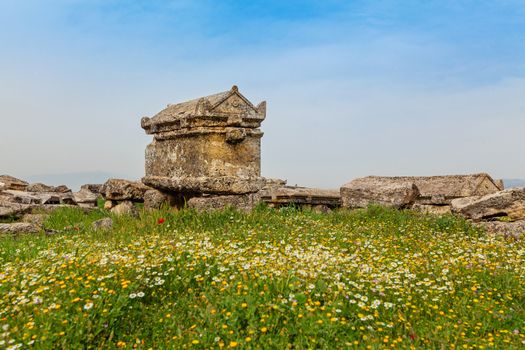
(440, 190)
(287, 195)
(500, 184)
(125, 208)
(124, 190)
(39, 197)
(108, 204)
(432, 209)
(209, 145)
(95, 188)
(102, 224)
(39, 187)
(244, 202)
(510, 203)
(514, 230)
(85, 198)
(363, 192)
(19, 227)
(37, 219)
(210, 185)
(154, 199)
(12, 183)
(8, 208)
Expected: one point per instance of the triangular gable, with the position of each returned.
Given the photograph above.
(234, 99)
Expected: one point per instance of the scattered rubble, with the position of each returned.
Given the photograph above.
(102, 224)
(19, 227)
(507, 203)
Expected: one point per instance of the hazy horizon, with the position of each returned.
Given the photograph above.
(353, 88)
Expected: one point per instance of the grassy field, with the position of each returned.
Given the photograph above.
(278, 279)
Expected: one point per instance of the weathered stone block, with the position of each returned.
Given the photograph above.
(209, 145)
(122, 190)
(244, 202)
(510, 203)
(8, 182)
(154, 199)
(19, 227)
(302, 196)
(363, 192)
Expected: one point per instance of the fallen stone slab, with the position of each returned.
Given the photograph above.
(19, 227)
(362, 192)
(219, 185)
(40, 187)
(124, 190)
(509, 203)
(302, 196)
(23, 197)
(95, 188)
(85, 198)
(8, 182)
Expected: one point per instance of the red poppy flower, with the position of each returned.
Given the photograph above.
(160, 221)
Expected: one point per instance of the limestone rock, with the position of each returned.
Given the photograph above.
(154, 199)
(95, 188)
(19, 227)
(510, 203)
(125, 208)
(22, 197)
(440, 190)
(62, 189)
(39, 197)
(514, 230)
(303, 196)
(363, 192)
(209, 185)
(500, 184)
(8, 208)
(209, 145)
(37, 219)
(244, 202)
(108, 204)
(85, 198)
(432, 209)
(39, 187)
(12, 183)
(124, 190)
(102, 224)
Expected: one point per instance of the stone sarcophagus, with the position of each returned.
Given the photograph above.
(209, 145)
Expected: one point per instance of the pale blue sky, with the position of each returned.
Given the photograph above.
(353, 87)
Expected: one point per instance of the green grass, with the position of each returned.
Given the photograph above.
(286, 278)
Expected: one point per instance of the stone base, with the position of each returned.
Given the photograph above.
(245, 202)
(301, 196)
(213, 185)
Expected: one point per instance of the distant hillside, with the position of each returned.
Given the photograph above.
(509, 183)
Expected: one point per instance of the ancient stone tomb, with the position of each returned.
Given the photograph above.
(206, 147)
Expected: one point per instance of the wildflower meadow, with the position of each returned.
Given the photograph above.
(269, 279)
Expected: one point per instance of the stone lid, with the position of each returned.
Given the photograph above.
(225, 109)
(448, 186)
